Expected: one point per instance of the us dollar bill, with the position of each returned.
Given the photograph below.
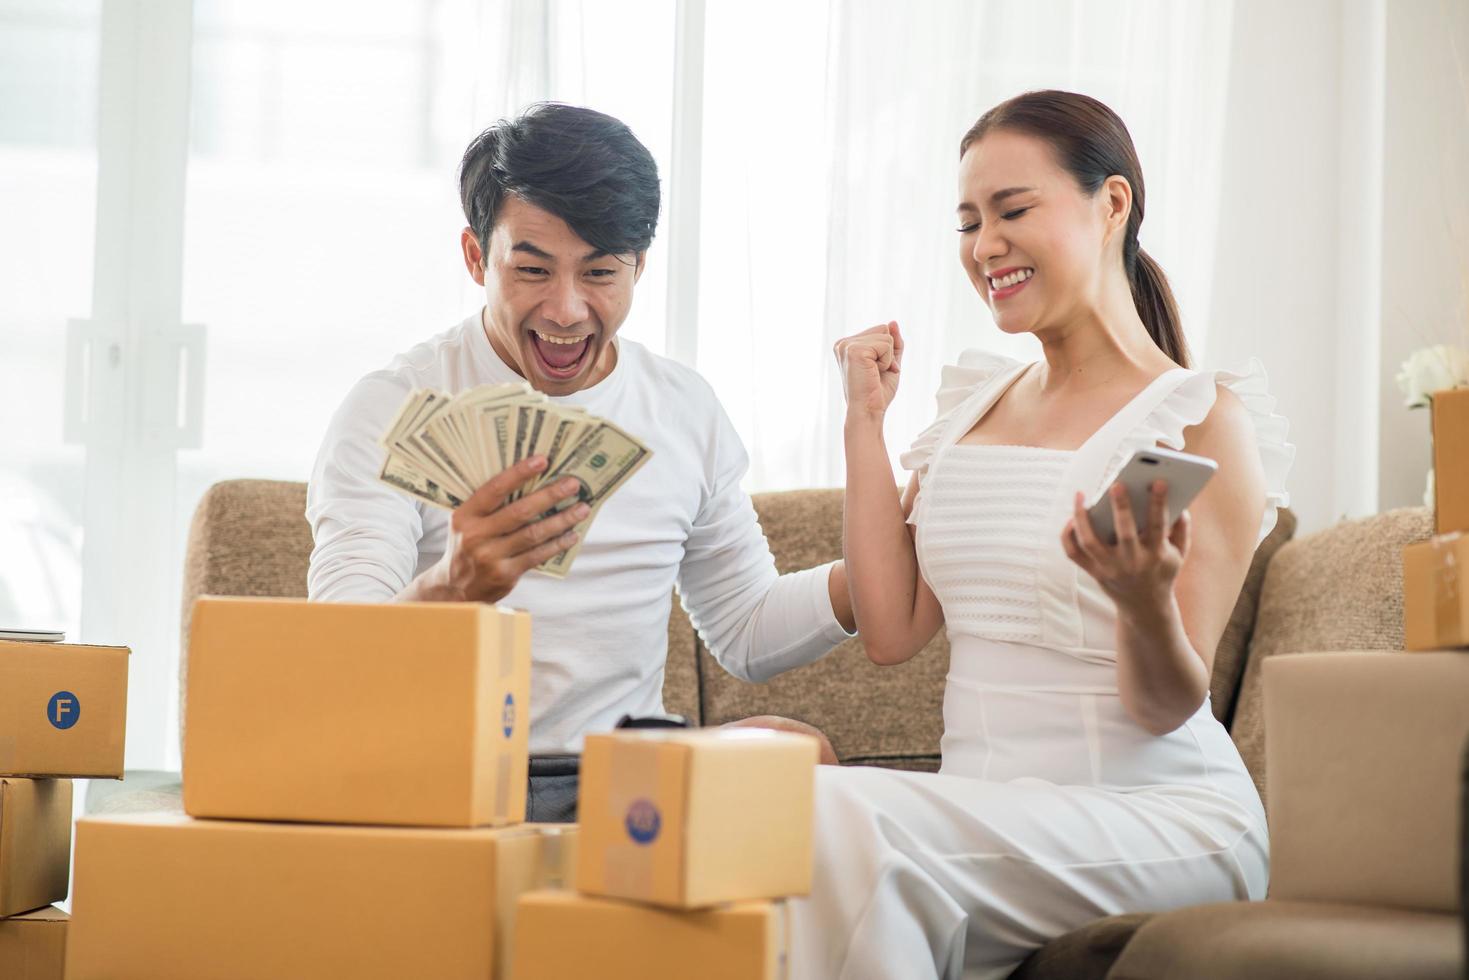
(604, 459)
(398, 472)
(567, 430)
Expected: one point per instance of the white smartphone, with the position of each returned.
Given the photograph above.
(1184, 473)
(34, 636)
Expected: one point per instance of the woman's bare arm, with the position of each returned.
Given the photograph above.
(1175, 592)
(896, 613)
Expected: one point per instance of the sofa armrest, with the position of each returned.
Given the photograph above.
(1275, 940)
(1364, 763)
(1464, 855)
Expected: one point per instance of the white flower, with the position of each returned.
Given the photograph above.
(1431, 369)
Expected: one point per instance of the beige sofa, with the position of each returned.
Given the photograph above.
(1340, 589)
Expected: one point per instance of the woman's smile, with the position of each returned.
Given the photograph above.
(1008, 282)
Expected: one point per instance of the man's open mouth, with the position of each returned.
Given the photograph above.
(560, 357)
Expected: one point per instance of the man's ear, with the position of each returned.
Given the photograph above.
(474, 256)
(641, 264)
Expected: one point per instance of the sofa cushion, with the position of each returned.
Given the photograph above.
(681, 669)
(1340, 589)
(1229, 656)
(889, 716)
(1274, 940)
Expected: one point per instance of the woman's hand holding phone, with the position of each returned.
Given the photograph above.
(1134, 557)
(1138, 570)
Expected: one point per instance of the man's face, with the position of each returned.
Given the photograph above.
(553, 303)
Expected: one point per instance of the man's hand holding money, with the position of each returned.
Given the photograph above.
(493, 540)
(501, 457)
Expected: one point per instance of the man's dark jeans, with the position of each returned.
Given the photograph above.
(551, 795)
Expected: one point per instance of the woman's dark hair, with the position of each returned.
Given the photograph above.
(583, 166)
(1092, 143)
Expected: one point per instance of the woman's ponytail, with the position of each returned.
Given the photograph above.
(1155, 304)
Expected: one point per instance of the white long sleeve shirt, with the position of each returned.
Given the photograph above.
(600, 635)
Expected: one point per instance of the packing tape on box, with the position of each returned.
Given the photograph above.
(507, 644)
(7, 752)
(1446, 625)
(502, 784)
(628, 864)
(552, 870)
(507, 667)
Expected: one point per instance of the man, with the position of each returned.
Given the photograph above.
(562, 204)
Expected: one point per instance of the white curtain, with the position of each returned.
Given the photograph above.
(830, 187)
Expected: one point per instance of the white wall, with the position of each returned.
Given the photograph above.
(1425, 243)
(1275, 291)
(1343, 237)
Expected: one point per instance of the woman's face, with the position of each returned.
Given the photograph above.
(1034, 245)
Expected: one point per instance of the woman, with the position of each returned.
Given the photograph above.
(1083, 771)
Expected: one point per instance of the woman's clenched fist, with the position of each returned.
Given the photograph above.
(870, 362)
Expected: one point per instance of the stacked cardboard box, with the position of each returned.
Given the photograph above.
(63, 711)
(33, 945)
(1451, 459)
(1436, 571)
(354, 779)
(690, 842)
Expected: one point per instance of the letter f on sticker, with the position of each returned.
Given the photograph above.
(63, 710)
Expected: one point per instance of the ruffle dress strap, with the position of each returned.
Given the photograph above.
(959, 384)
(1190, 403)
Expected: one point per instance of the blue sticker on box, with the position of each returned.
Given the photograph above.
(63, 710)
(643, 821)
(507, 715)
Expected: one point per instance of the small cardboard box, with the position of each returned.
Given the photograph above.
(1436, 593)
(407, 714)
(33, 946)
(63, 709)
(1364, 763)
(561, 935)
(35, 843)
(688, 819)
(1451, 460)
(168, 897)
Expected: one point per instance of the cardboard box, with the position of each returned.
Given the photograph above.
(1436, 593)
(35, 843)
(691, 818)
(168, 897)
(33, 946)
(408, 714)
(1364, 767)
(561, 935)
(63, 709)
(1451, 460)
(548, 863)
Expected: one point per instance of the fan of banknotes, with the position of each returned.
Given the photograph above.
(441, 448)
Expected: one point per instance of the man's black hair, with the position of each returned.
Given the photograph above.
(583, 166)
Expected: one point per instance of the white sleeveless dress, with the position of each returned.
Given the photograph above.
(1053, 807)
